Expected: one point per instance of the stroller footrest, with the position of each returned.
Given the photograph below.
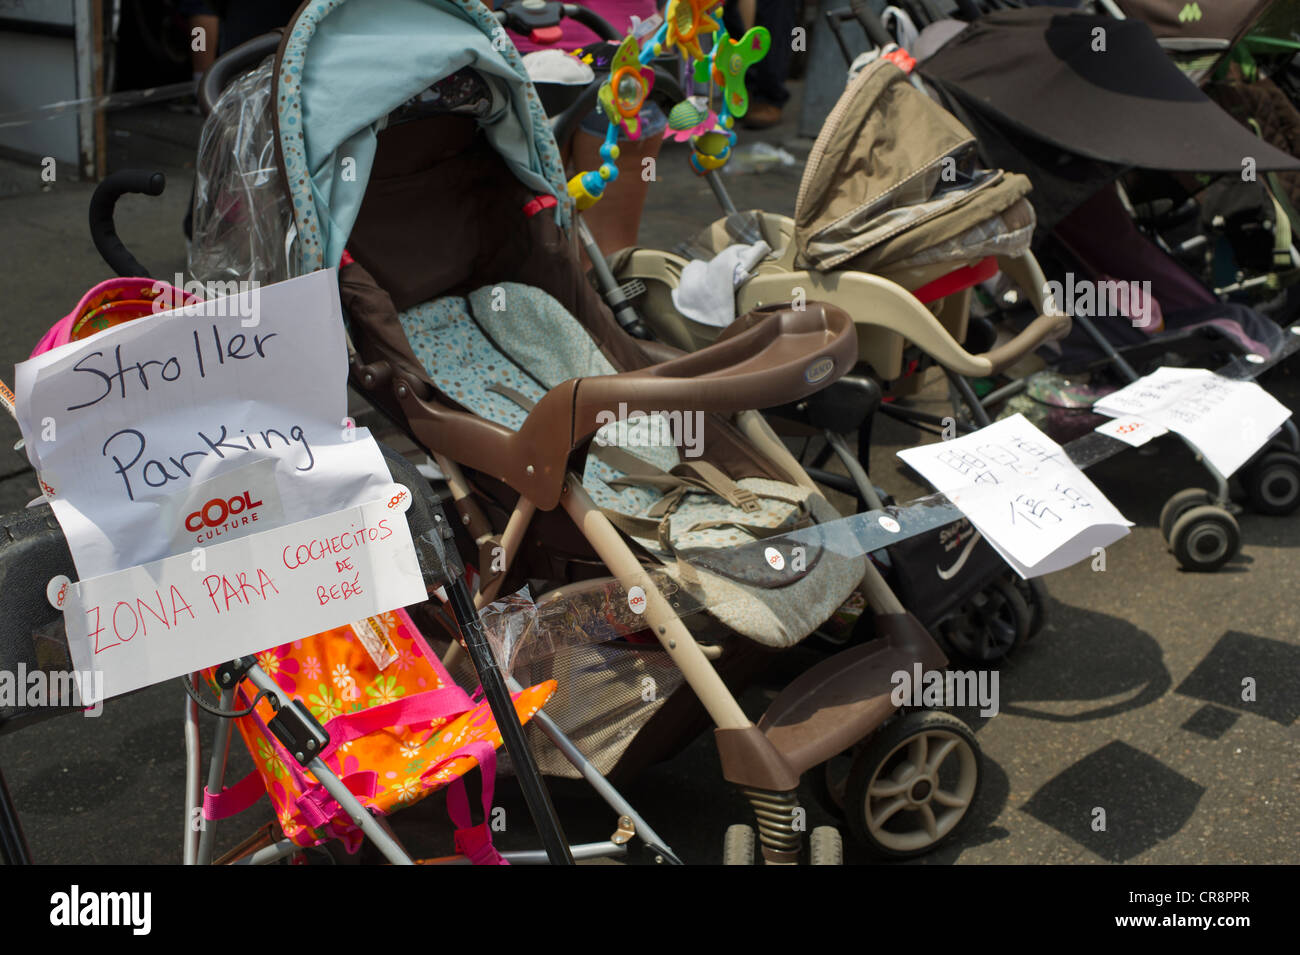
(847, 696)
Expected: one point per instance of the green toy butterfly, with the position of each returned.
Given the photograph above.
(730, 61)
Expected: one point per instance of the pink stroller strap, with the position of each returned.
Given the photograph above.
(475, 842)
(233, 799)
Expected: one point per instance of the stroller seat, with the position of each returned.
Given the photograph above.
(499, 362)
(892, 202)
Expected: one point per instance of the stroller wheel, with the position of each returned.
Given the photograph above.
(989, 625)
(1034, 593)
(1272, 484)
(1205, 538)
(826, 847)
(913, 784)
(1180, 504)
(738, 846)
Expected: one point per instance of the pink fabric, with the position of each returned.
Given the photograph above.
(443, 703)
(618, 12)
(233, 799)
(317, 807)
(60, 332)
(475, 842)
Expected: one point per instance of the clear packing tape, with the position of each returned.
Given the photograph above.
(242, 213)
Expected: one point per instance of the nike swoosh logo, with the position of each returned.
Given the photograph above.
(952, 571)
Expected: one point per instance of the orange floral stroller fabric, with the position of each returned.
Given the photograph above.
(399, 729)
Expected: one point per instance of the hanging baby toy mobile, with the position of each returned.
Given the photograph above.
(721, 69)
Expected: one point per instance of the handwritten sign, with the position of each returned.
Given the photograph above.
(1022, 492)
(149, 623)
(186, 429)
(216, 498)
(1227, 421)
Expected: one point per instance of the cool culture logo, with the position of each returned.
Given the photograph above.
(1105, 299)
(224, 513)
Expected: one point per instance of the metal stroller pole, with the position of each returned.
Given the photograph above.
(216, 773)
(512, 733)
(720, 192)
(612, 291)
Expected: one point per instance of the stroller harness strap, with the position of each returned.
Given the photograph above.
(684, 478)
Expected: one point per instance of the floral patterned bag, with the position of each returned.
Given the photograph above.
(399, 729)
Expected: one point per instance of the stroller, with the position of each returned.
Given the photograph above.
(942, 226)
(473, 328)
(365, 741)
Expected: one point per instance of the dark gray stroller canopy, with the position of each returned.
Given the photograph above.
(1073, 100)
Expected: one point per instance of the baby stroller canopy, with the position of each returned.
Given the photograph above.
(1038, 71)
(894, 178)
(327, 87)
(1224, 20)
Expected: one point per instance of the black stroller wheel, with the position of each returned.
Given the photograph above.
(1205, 538)
(1180, 504)
(1034, 592)
(1272, 484)
(989, 625)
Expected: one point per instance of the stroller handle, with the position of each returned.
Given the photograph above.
(871, 23)
(772, 357)
(102, 230)
(233, 63)
(524, 16)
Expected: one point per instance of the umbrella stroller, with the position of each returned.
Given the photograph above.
(408, 719)
(475, 330)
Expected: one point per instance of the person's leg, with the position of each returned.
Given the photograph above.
(766, 78)
(615, 220)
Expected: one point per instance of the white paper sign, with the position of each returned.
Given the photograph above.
(1022, 492)
(190, 428)
(146, 624)
(1227, 421)
(189, 457)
